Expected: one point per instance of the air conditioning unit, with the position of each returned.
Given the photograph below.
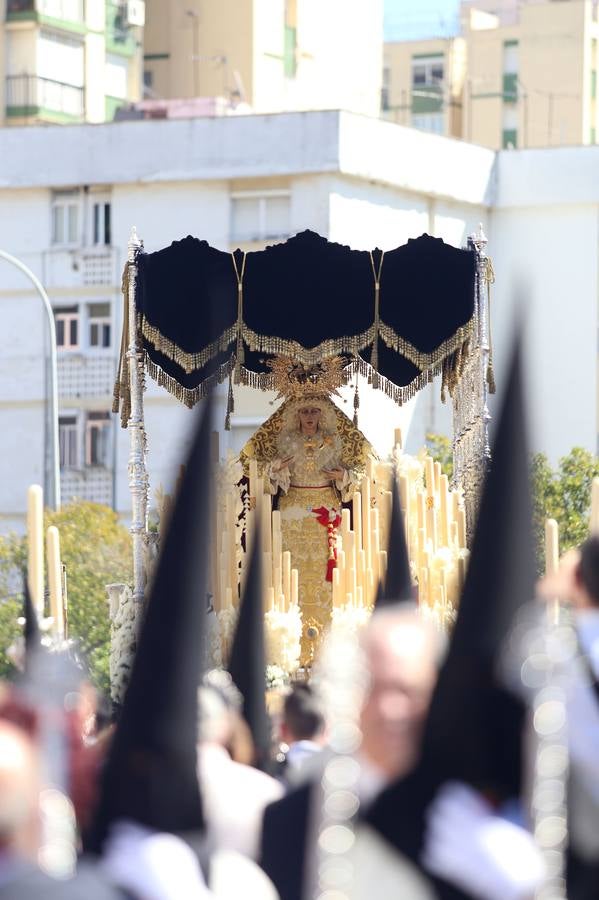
(136, 13)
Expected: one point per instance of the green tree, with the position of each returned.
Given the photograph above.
(563, 494)
(441, 450)
(96, 551)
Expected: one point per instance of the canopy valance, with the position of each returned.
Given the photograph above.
(401, 316)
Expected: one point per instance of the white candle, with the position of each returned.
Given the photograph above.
(429, 468)
(253, 482)
(294, 586)
(35, 546)
(397, 438)
(287, 577)
(55, 579)
(423, 598)
(551, 547)
(267, 523)
(461, 517)
(270, 594)
(357, 517)
(443, 510)
(336, 588)
(437, 476)
(365, 489)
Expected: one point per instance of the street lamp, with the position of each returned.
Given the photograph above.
(53, 373)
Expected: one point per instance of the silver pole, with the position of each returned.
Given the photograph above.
(53, 373)
(138, 477)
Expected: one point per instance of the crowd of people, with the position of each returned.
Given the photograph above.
(463, 765)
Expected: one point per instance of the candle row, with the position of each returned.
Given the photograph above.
(35, 562)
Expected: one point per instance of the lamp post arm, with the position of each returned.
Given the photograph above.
(53, 372)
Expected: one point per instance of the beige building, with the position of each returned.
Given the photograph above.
(269, 55)
(527, 75)
(66, 61)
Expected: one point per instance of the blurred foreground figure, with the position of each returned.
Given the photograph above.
(402, 652)
(234, 794)
(577, 581)
(22, 825)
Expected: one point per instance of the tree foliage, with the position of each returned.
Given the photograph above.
(96, 551)
(563, 494)
(441, 450)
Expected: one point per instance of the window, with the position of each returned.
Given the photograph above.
(67, 442)
(65, 217)
(99, 325)
(97, 439)
(101, 223)
(66, 319)
(510, 71)
(432, 122)
(428, 70)
(260, 217)
(148, 79)
(509, 139)
(386, 89)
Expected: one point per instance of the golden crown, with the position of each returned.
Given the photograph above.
(293, 380)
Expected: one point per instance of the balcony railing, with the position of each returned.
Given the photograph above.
(28, 94)
(17, 7)
(65, 10)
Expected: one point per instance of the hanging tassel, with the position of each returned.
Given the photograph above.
(356, 403)
(230, 405)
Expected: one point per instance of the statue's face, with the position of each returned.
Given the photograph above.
(309, 417)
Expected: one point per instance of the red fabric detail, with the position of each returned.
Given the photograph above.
(331, 520)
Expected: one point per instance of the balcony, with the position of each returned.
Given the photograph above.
(68, 12)
(53, 101)
(85, 376)
(427, 98)
(82, 267)
(93, 483)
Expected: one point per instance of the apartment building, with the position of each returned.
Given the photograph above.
(68, 61)
(70, 195)
(268, 55)
(521, 74)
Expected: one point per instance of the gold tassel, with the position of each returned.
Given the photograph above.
(356, 403)
(239, 354)
(374, 359)
(230, 404)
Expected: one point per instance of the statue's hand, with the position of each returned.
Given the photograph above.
(281, 463)
(334, 474)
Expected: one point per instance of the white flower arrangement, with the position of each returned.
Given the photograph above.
(283, 638)
(350, 618)
(276, 677)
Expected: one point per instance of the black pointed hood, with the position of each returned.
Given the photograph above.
(474, 723)
(151, 771)
(247, 663)
(474, 728)
(398, 581)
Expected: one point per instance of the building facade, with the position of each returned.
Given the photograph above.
(521, 74)
(268, 55)
(68, 61)
(69, 197)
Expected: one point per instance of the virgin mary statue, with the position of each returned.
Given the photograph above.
(313, 458)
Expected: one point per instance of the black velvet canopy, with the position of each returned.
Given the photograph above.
(204, 314)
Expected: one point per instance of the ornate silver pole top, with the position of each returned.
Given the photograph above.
(478, 238)
(135, 244)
